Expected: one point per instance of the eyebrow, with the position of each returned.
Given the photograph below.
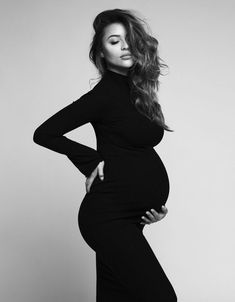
(113, 36)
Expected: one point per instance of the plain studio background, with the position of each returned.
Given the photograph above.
(44, 67)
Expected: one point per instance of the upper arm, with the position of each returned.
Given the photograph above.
(90, 107)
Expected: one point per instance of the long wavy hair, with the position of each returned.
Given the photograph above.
(147, 64)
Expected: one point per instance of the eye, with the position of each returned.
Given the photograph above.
(114, 42)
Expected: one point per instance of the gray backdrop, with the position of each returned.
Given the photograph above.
(44, 67)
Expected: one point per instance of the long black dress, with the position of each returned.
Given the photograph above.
(135, 180)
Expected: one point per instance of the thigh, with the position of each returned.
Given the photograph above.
(108, 286)
(125, 255)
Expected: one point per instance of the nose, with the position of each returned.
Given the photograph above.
(125, 45)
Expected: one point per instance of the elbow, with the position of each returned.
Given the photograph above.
(38, 137)
(43, 138)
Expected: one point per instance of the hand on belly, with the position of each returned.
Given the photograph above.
(154, 216)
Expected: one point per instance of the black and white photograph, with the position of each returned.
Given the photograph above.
(118, 151)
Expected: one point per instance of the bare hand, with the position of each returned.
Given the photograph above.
(154, 216)
(98, 170)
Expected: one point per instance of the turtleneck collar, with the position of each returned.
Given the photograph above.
(117, 76)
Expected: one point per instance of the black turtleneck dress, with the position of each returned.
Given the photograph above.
(135, 181)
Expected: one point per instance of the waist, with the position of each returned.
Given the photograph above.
(110, 151)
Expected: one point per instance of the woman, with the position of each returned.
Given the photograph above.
(126, 179)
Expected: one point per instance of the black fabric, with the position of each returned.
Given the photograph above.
(135, 180)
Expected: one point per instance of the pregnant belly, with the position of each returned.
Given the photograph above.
(132, 185)
(137, 180)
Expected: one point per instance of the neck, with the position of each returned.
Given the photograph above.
(121, 72)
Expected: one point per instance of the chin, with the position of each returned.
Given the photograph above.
(127, 64)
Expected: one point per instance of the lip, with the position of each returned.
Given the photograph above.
(125, 57)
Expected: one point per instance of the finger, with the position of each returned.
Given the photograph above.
(86, 185)
(89, 181)
(150, 216)
(94, 173)
(155, 214)
(101, 170)
(161, 216)
(164, 209)
(146, 220)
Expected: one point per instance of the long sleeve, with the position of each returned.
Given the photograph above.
(50, 134)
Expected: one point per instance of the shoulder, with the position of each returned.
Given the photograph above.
(94, 103)
(100, 94)
(103, 88)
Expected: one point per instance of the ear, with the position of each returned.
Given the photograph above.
(101, 54)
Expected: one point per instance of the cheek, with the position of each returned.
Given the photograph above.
(112, 54)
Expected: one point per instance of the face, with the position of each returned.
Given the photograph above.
(115, 46)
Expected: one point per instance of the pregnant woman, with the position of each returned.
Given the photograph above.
(126, 181)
